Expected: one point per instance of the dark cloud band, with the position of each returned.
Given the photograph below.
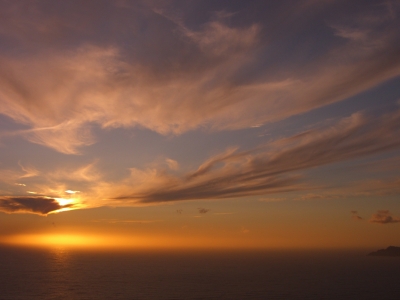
(36, 205)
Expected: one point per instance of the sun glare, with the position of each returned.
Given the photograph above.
(70, 203)
(63, 201)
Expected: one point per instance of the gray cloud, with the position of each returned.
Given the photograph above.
(355, 216)
(384, 217)
(28, 204)
(203, 210)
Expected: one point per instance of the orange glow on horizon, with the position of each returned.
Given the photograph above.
(130, 242)
(91, 241)
(72, 240)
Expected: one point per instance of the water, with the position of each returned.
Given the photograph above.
(61, 273)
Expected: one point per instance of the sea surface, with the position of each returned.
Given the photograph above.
(60, 273)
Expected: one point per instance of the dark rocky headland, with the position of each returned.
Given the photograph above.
(389, 251)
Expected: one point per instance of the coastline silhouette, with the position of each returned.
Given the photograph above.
(389, 251)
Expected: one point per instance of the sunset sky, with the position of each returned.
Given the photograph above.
(200, 123)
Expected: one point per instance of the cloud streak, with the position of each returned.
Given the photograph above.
(355, 216)
(273, 168)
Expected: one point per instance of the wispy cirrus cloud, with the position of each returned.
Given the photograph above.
(168, 72)
(11, 176)
(276, 167)
(84, 173)
(60, 92)
(270, 169)
(29, 171)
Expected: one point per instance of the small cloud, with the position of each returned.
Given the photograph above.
(355, 216)
(383, 217)
(71, 192)
(20, 184)
(172, 164)
(203, 210)
(179, 211)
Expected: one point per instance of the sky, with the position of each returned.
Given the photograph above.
(200, 123)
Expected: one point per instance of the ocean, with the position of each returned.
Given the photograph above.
(62, 273)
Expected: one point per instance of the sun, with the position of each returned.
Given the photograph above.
(63, 201)
(67, 204)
